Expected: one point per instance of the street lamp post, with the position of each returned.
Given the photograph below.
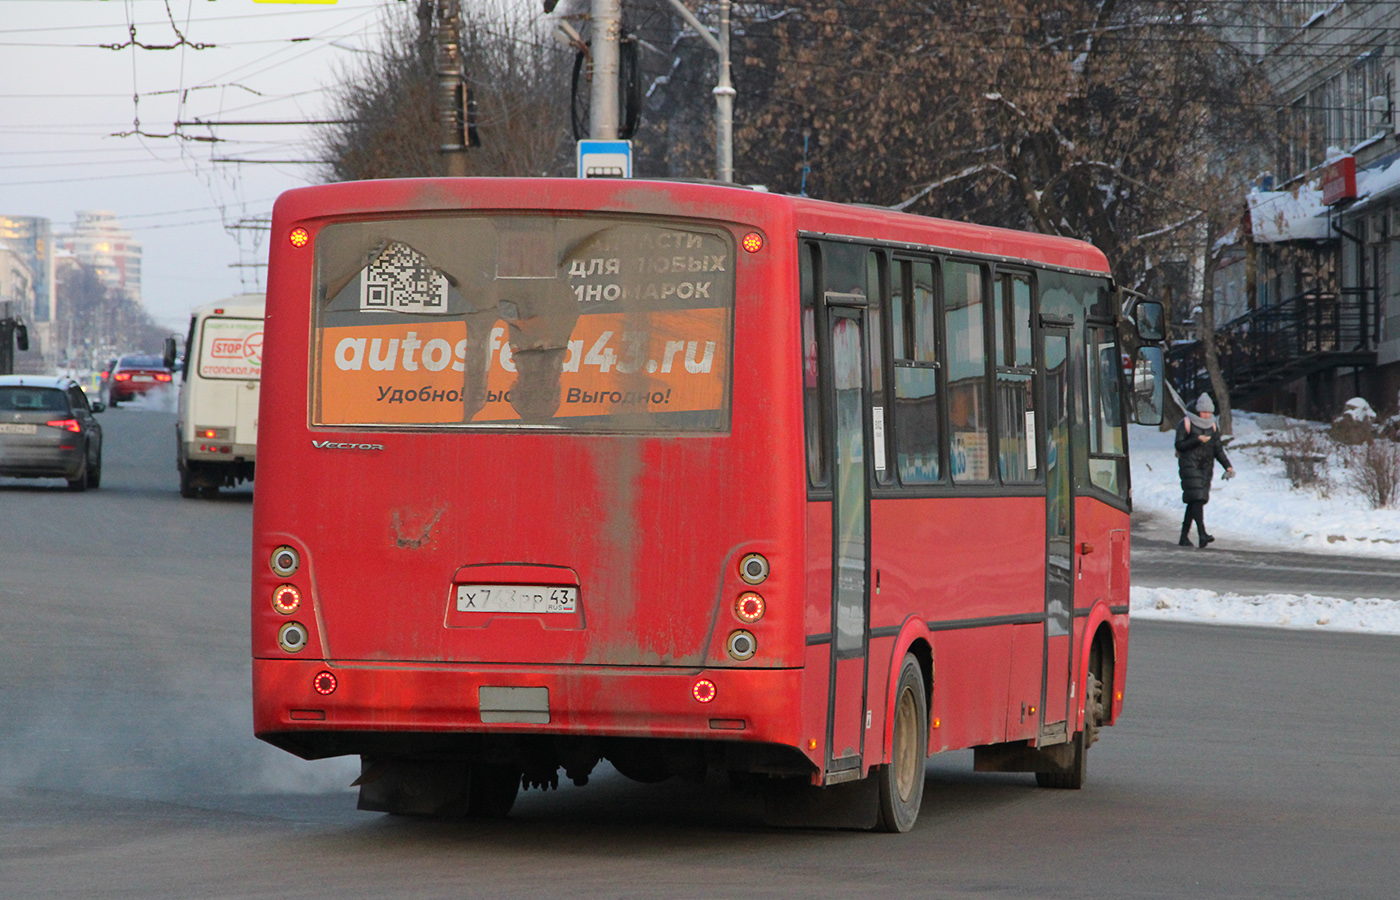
(724, 88)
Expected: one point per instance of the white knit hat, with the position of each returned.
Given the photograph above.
(1205, 404)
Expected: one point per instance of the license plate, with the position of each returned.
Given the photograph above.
(516, 598)
(11, 428)
(143, 378)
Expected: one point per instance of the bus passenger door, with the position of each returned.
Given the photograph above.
(846, 708)
(1059, 532)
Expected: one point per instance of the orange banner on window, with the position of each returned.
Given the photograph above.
(439, 373)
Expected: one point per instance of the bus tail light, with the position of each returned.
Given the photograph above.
(324, 683)
(752, 242)
(704, 690)
(286, 599)
(742, 645)
(749, 607)
(285, 561)
(753, 568)
(292, 637)
(299, 237)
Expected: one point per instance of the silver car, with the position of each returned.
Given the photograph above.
(47, 430)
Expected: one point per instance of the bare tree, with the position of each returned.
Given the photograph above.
(516, 76)
(96, 317)
(1096, 120)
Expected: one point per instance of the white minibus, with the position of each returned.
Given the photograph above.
(217, 428)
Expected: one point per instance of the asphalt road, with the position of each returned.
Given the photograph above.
(1158, 561)
(1250, 763)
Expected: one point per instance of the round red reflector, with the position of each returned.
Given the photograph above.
(704, 690)
(299, 237)
(324, 683)
(749, 607)
(753, 242)
(286, 599)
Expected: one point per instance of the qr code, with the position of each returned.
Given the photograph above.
(399, 279)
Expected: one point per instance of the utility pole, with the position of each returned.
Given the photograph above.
(724, 88)
(452, 108)
(724, 102)
(603, 99)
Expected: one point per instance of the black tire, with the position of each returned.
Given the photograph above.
(187, 485)
(1072, 777)
(492, 792)
(94, 474)
(80, 483)
(902, 781)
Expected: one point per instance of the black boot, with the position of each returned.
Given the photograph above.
(1205, 539)
(1185, 541)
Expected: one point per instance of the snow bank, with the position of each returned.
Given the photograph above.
(1374, 616)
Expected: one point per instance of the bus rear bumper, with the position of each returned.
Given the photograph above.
(373, 707)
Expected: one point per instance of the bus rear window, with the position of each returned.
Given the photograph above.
(584, 324)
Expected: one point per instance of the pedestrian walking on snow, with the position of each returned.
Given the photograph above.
(1198, 447)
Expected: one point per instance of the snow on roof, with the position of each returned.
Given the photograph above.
(1377, 180)
(1296, 215)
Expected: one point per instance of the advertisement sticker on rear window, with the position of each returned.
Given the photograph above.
(580, 324)
(231, 348)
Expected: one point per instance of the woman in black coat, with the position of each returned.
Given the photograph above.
(1198, 447)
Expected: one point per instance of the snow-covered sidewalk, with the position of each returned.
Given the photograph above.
(1260, 509)
(1372, 615)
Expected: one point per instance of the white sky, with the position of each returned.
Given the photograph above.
(62, 98)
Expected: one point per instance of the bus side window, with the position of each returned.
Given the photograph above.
(811, 383)
(875, 273)
(1015, 387)
(918, 436)
(967, 370)
(1107, 446)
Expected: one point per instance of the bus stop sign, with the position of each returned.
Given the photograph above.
(605, 159)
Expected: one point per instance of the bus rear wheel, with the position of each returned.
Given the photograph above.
(902, 781)
(492, 791)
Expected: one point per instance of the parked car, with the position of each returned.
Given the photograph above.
(134, 375)
(48, 430)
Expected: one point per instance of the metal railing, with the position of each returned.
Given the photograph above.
(1273, 345)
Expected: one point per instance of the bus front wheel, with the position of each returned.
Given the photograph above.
(1071, 777)
(902, 781)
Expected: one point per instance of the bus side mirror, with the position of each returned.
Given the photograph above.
(1149, 376)
(170, 353)
(22, 338)
(1150, 319)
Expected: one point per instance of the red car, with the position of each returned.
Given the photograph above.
(134, 375)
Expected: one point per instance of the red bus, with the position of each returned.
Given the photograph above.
(689, 478)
